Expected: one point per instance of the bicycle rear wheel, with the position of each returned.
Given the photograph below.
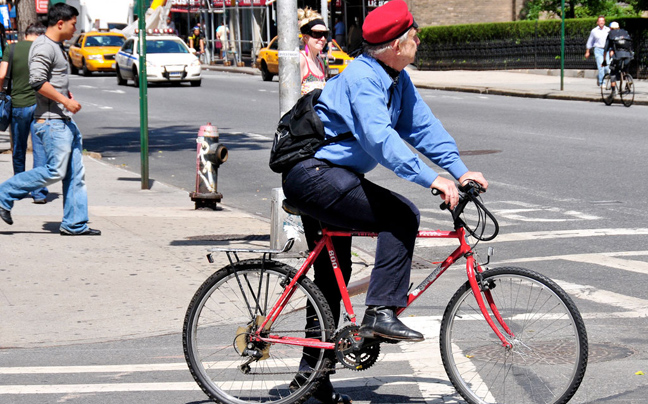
(230, 305)
(627, 90)
(547, 361)
(606, 90)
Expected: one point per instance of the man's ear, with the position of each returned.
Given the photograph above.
(395, 45)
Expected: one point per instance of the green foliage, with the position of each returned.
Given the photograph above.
(518, 30)
(534, 9)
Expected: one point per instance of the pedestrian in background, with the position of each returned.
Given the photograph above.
(222, 33)
(23, 99)
(55, 106)
(314, 35)
(339, 32)
(596, 40)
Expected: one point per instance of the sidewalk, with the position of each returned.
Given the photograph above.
(579, 85)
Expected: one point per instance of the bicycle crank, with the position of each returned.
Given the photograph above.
(353, 351)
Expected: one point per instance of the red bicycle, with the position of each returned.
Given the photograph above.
(508, 335)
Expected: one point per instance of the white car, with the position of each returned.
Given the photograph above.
(168, 59)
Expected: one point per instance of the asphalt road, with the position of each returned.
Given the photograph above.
(566, 184)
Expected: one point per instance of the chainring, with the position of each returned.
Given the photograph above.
(353, 351)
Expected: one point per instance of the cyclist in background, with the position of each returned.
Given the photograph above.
(619, 44)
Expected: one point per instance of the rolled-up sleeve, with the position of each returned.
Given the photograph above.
(39, 67)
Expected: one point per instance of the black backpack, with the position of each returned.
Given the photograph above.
(299, 134)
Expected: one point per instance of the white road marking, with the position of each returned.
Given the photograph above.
(251, 135)
(85, 86)
(542, 235)
(97, 105)
(607, 259)
(115, 91)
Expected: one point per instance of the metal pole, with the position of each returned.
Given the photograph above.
(562, 46)
(143, 96)
(289, 77)
(324, 11)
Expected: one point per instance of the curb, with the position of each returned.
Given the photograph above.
(519, 93)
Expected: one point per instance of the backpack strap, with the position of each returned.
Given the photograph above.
(7, 80)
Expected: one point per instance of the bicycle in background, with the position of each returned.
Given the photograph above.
(508, 335)
(624, 86)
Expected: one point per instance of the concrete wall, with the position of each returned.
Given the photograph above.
(452, 12)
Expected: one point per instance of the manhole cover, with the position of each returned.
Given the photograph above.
(231, 237)
(477, 152)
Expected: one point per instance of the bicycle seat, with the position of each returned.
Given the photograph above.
(290, 208)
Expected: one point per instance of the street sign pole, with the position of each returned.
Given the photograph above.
(289, 75)
(562, 46)
(143, 97)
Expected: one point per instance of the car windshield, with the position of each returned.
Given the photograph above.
(165, 46)
(105, 40)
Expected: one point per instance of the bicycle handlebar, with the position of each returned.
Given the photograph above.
(469, 192)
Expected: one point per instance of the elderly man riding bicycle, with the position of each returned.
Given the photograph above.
(375, 100)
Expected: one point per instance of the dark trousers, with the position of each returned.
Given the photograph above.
(342, 198)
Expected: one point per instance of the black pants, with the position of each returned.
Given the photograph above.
(342, 198)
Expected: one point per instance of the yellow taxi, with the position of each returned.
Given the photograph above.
(268, 59)
(95, 51)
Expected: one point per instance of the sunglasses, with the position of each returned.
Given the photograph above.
(319, 34)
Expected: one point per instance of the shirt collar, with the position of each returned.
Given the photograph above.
(387, 80)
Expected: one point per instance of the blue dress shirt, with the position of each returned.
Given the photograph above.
(382, 114)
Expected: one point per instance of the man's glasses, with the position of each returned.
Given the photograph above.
(319, 34)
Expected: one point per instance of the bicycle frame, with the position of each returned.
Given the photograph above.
(464, 250)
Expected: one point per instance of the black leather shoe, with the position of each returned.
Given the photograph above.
(6, 215)
(87, 232)
(381, 321)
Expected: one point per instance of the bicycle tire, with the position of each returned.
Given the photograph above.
(549, 355)
(227, 301)
(627, 92)
(607, 95)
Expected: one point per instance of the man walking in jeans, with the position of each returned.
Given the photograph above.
(596, 40)
(48, 75)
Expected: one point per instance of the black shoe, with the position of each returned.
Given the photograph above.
(325, 394)
(6, 215)
(86, 232)
(381, 321)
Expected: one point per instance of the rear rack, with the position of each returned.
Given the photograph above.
(232, 253)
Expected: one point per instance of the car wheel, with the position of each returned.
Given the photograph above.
(265, 74)
(196, 83)
(73, 68)
(120, 80)
(86, 72)
(135, 77)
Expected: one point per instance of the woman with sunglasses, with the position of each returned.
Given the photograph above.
(315, 36)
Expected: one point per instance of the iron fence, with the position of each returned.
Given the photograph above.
(536, 53)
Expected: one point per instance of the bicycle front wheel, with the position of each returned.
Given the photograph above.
(606, 90)
(627, 90)
(548, 357)
(229, 307)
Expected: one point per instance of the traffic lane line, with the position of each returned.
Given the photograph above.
(540, 235)
(607, 259)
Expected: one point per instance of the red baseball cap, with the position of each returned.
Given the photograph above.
(387, 22)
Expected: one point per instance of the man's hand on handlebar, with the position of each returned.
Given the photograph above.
(474, 176)
(448, 190)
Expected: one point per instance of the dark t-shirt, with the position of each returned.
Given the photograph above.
(196, 40)
(22, 94)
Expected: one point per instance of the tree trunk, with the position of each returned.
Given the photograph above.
(25, 15)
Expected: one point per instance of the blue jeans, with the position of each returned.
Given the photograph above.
(22, 123)
(63, 147)
(602, 71)
(342, 198)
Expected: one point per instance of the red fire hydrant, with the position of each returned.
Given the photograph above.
(209, 156)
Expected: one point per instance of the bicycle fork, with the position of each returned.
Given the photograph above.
(478, 287)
